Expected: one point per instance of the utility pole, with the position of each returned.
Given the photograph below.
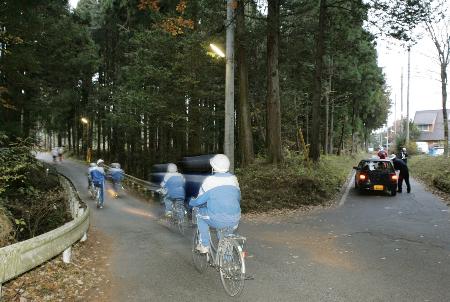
(407, 95)
(228, 145)
(395, 114)
(401, 101)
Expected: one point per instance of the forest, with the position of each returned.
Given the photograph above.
(142, 76)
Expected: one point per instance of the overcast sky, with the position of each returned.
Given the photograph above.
(425, 86)
(73, 3)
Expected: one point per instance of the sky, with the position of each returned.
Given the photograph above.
(73, 3)
(425, 85)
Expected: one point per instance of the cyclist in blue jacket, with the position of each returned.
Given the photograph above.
(98, 179)
(218, 201)
(117, 175)
(173, 186)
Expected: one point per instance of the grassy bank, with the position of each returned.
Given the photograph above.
(293, 184)
(434, 171)
(32, 201)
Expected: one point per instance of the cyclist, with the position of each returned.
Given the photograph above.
(173, 186)
(54, 154)
(98, 179)
(91, 167)
(116, 174)
(218, 201)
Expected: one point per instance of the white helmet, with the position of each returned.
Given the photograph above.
(115, 165)
(92, 165)
(172, 168)
(404, 149)
(392, 156)
(220, 163)
(381, 149)
(100, 162)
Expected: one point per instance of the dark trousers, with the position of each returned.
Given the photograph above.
(403, 176)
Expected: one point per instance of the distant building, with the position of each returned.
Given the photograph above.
(431, 126)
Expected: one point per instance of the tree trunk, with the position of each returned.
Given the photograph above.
(245, 127)
(317, 95)
(327, 118)
(331, 128)
(341, 143)
(273, 83)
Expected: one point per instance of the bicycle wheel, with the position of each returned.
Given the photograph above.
(232, 267)
(97, 197)
(200, 260)
(180, 218)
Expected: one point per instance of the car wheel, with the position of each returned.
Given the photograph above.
(393, 192)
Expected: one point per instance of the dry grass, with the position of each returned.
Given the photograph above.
(87, 278)
(293, 184)
(6, 228)
(434, 171)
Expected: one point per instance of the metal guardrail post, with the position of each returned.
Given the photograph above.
(67, 254)
(80, 213)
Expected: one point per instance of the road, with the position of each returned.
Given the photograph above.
(372, 248)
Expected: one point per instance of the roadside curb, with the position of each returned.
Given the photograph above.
(345, 189)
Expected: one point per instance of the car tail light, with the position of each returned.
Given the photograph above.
(394, 177)
(362, 176)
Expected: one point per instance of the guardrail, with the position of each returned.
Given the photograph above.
(141, 186)
(21, 257)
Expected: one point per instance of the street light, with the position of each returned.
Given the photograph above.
(217, 50)
(84, 120)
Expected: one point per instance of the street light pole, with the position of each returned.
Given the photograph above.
(86, 146)
(407, 95)
(229, 86)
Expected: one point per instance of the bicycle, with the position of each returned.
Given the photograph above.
(92, 191)
(227, 258)
(117, 186)
(96, 196)
(179, 215)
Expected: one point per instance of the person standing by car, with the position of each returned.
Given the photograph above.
(400, 165)
(403, 155)
(382, 154)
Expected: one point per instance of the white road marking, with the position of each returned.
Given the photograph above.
(347, 190)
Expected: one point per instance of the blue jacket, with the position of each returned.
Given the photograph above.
(98, 175)
(174, 184)
(116, 174)
(221, 195)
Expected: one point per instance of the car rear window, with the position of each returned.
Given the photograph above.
(376, 166)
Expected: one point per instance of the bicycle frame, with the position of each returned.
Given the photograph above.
(221, 257)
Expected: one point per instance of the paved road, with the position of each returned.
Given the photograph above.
(373, 248)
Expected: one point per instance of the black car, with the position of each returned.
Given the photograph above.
(376, 175)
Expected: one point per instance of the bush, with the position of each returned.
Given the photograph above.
(34, 199)
(292, 184)
(434, 171)
(6, 228)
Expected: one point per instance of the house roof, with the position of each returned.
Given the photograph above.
(431, 117)
(426, 117)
